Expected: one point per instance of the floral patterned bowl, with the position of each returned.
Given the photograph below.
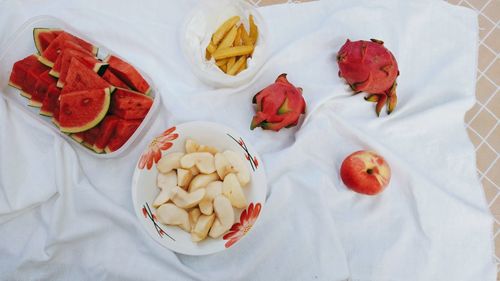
(144, 188)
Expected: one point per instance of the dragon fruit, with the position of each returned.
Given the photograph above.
(370, 67)
(278, 105)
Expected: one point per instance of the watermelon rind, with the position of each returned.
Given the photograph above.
(33, 103)
(37, 31)
(12, 84)
(54, 73)
(45, 113)
(76, 137)
(100, 68)
(25, 95)
(45, 61)
(93, 123)
(88, 145)
(55, 122)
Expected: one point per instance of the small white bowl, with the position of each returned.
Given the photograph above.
(197, 32)
(144, 189)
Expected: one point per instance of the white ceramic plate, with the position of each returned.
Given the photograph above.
(144, 188)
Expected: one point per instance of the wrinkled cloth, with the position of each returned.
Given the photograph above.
(66, 215)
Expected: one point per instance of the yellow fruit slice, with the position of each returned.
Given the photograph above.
(232, 52)
(224, 29)
(237, 65)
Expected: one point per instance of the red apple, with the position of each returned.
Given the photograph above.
(365, 172)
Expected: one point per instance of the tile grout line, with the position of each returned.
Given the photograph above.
(490, 166)
(483, 141)
(490, 132)
(493, 201)
(482, 106)
(491, 182)
(480, 11)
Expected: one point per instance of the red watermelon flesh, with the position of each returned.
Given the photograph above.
(107, 129)
(50, 54)
(55, 112)
(43, 37)
(79, 77)
(124, 130)
(20, 69)
(128, 74)
(51, 101)
(90, 62)
(31, 79)
(128, 104)
(75, 46)
(90, 136)
(43, 82)
(82, 110)
(68, 46)
(61, 61)
(113, 80)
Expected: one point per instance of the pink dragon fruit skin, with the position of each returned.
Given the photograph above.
(279, 105)
(370, 67)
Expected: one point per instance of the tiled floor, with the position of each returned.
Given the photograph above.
(482, 120)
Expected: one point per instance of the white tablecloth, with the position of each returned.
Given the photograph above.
(68, 216)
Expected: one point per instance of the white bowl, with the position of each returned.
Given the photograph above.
(197, 32)
(144, 189)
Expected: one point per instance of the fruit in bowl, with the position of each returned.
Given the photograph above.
(199, 188)
(365, 172)
(231, 45)
(206, 173)
(368, 66)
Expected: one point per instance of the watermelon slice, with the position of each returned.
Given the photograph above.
(19, 75)
(56, 69)
(55, 112)
(113, 80)
(49, 55)
(68, 45)
(29, 84)
(74, 50)
(78, 137)
(79, 77)
(82, 110)
(51, 101)
(43, 37)
(89, 62)
(128, 104)
(128, 74)
(107, 129)
(44, 81)
(124, 130)
(90, 136)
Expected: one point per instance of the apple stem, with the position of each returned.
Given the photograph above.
(369, 171)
